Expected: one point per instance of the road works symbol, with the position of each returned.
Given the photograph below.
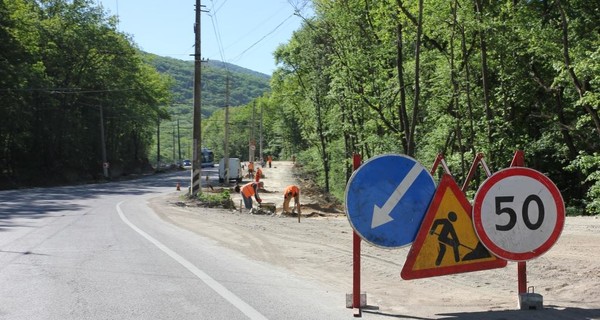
(386, 199)
(518, 213)
(446, 242)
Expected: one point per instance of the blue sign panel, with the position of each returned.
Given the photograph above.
(387, 198)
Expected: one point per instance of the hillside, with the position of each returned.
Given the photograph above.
(245, 85)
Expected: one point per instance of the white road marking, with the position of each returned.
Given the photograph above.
(212, 283)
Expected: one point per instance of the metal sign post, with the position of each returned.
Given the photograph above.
(356, 161)
(519, 161)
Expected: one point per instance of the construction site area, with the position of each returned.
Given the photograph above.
(319, 246)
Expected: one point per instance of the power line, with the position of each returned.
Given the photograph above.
(263, 37)
(252, 31)
(219, 8)
(215, 24)
(299, 6)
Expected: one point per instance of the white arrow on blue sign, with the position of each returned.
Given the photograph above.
(387, 198)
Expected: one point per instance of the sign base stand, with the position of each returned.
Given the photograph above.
(363, 300)
(531, 300)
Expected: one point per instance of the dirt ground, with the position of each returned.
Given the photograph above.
(320, 247)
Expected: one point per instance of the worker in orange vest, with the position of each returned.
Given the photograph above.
(291, 191)
(251, 189)
(258, 174)
(269, 159)
(250, 169)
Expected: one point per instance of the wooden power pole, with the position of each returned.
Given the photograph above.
(197, 135)
(226, 143)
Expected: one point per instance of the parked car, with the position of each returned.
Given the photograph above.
(235, 170)
(186, 163)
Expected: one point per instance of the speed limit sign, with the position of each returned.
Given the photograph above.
(518, 213)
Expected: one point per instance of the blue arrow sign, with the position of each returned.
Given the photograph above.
(387, 198)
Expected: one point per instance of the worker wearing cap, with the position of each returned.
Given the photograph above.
(251, 189)
(291, 191)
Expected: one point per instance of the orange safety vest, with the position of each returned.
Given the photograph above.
(248, 190)
(294, 190)
(258, 175)
(250, 166)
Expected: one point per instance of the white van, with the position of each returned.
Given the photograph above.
(235, 170)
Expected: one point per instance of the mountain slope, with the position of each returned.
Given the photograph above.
(244, 84)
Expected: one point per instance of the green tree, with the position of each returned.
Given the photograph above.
(487, 77)
(73, 64)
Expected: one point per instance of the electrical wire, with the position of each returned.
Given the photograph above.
(252, 31)
(298, 8)
(213, 19)
(215, 24)
(263, 37)
(216, 6)
(219, 8)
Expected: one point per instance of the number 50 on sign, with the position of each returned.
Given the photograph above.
(518, 213)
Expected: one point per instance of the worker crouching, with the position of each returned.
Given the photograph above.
(290, 192)
(251, 189)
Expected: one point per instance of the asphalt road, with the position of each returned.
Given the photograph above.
(98, 252)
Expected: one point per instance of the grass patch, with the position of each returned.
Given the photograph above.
(220, 199)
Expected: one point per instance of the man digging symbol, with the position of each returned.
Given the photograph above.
(446, 237)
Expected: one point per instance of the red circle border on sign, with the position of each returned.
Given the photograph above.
(484, 189)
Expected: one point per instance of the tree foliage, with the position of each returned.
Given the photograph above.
(67, 75)
(454, 77)
(62, 65)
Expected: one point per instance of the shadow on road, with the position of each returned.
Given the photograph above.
(548, 313)
(40, 202)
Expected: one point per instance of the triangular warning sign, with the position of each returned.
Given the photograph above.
(446, 242)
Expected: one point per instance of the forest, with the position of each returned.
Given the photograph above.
(70, 83)
(76, 93)
(431, 77)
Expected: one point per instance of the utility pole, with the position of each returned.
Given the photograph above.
(260, 139)
(197, 135)
(173, 138)
(252, 141)
(102, 140)
(158, 144)
(226, 146)
(178, 142)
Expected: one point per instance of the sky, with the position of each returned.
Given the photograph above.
(241, 32)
